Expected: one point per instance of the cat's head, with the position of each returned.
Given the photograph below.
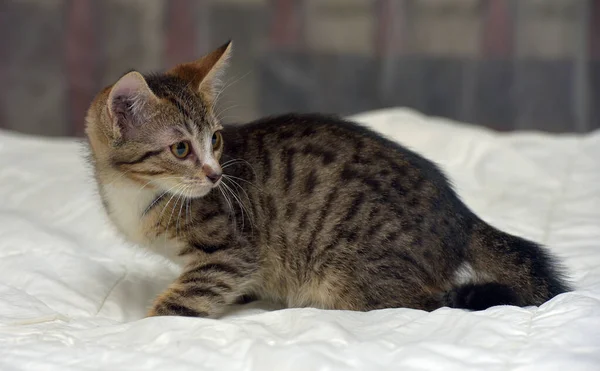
(160, 131)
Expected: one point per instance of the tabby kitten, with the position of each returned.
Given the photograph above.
(305, 210)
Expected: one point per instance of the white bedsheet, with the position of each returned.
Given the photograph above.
(73, 295)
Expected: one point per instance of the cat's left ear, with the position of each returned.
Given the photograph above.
(205, 73)
(127, 104)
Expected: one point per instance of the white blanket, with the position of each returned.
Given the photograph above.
(73, 295)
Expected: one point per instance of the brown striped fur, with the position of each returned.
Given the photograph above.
(311, 210)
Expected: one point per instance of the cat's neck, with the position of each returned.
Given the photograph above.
(127, 203)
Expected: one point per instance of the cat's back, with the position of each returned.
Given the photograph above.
(321, 176)
(329, 144)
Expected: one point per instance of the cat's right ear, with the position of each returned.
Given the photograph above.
(204, 74)
(126, 104)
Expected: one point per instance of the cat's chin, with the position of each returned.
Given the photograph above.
(198, 192)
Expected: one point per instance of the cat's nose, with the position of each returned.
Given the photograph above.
(212, 174)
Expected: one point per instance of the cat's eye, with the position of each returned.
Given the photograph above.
(216, 140)
(181, 149)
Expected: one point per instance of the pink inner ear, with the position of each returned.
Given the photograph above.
(129, 85)
(126, 103)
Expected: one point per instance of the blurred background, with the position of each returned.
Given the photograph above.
(504, 64)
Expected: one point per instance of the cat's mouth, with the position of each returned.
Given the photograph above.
(199, 190)
(192, 188)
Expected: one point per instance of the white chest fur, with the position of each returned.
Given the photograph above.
(126, 203)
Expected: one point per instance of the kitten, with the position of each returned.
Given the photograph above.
(305, 210)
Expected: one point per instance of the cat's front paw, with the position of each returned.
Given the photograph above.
(175, 310)
(172, 304)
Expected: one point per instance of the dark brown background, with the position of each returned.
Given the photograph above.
(505, 64)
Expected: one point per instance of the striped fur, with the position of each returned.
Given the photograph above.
(311, 211)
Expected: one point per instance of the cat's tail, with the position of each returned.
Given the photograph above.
(501, 269)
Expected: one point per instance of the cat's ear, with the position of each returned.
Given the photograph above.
(127, 102)
(205, 73)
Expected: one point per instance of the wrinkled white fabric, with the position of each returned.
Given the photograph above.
(73, 295)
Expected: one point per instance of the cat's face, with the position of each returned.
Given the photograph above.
(160, 131)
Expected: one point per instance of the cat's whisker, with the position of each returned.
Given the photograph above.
(158, 199)
(230, 162)
(231, 213)
(187, 200)
(249, 210)
(227, 109)
(159, 220)
(230, 118)
(117, 178)
(235, 197)
(172, 212)
(177, 200)
(243, 208)
(249, 213)
(238, 160)
(226, 199)
(239, 187)
(233, 160)
(183, 199)
(229, 203)
(219, 116)
(234, 182)
(243, 180)
(188, 209)
(179, 185)
(153, 180)
(145, 185)
(228, 85)
(229, 194)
